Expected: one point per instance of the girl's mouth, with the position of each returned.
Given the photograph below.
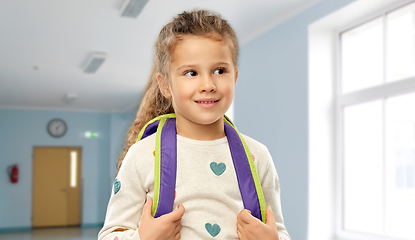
(207, 103)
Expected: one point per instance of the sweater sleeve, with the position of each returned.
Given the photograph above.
(125, 206)
(270, 186)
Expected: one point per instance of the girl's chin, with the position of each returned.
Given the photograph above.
(211, 121)
(205, 120)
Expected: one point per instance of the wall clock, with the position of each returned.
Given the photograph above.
(57, 128)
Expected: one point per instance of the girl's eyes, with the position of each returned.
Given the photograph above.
(194, 73)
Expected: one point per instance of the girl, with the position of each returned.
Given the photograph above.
(193, 80)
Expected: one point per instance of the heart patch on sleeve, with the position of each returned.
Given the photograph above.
(117, 186)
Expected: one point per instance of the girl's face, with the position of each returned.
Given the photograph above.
(202, 79)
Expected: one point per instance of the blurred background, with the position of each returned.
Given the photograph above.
(328, 86)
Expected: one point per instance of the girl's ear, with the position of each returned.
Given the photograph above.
(236, 74)
(163, 85)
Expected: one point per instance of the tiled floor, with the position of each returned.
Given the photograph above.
(71, 233)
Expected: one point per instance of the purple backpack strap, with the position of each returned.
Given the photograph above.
(243, 172)
(150, 129)
(168, 167)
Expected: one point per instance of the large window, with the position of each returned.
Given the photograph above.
(375, 104)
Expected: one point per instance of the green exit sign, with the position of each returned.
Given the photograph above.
(91, 134)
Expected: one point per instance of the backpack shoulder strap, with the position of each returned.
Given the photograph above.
(165, 164)
(248, 180)
(151, 126)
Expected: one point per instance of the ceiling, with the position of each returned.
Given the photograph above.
(45, 44)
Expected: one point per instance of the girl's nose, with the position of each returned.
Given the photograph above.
(207, 84)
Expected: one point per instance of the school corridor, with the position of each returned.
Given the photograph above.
(327, 85)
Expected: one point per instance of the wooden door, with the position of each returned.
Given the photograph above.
(56, 186)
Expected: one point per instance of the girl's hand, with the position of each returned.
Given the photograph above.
(166, 227)
(251, 228)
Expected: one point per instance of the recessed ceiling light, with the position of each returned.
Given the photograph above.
(132, 8)
(70, 98)
(94, 62)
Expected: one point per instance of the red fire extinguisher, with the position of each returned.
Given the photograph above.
(13, 171)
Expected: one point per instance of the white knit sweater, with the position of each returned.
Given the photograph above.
(207, 197)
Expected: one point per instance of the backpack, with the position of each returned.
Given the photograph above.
(166, 165)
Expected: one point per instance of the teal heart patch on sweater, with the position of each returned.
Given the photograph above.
(213, 230)
(117, 186)
(218, 169)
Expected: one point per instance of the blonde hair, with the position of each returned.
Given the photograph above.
(197, 23)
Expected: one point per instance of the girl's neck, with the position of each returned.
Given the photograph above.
(204, 132)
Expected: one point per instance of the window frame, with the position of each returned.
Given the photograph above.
(342, 100)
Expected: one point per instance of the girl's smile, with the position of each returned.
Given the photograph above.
(207, 102)
(202, 77)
